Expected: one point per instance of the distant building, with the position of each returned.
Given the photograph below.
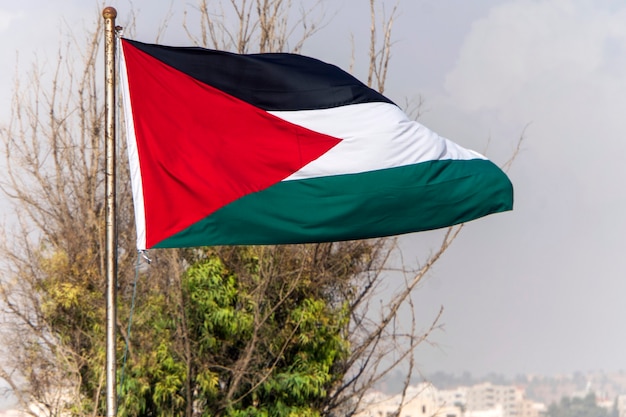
(453, 397)
(509, 399)
(419, 401)
(483, 400)
(496, 411)
(621, 405)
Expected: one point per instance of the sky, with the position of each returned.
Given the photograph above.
(540, 289)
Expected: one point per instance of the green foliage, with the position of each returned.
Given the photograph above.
(244, 331)
(577, 407)
(236, 344)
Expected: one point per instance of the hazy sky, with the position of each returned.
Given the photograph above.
(541, 289)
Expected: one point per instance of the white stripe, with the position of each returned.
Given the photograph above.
(374, 136)
(133, 158)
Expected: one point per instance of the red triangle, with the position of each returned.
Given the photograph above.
(200, 149)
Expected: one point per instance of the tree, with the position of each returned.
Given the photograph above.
(577, 407)
(251, 345)
(239, 331)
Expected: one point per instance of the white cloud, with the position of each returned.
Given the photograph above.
(528, 49)
(561, 66)
(7, 17)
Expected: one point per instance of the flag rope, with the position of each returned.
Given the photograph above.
(140, 254)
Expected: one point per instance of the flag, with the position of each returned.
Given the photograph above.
(282, 148)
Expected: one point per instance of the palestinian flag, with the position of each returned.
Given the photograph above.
(282, 148)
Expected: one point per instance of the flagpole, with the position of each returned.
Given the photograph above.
(109, 14)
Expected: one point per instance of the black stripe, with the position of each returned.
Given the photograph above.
(276, 81)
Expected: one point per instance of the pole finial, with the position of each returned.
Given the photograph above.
(109, 12)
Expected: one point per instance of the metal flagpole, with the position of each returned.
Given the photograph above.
(109, 14)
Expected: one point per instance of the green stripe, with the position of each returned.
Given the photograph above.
(394, 201)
